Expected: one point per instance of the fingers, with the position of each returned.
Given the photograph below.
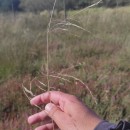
(46, 127)
(53, 96)
(46, 98)
(58, 98)
(38, 117)
(56, 114)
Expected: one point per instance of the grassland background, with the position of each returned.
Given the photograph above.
(101, 56)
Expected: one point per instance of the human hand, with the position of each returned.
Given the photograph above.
(65, 110)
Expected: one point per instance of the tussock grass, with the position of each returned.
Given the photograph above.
(99, 56)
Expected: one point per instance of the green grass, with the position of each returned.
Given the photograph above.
(101, 55)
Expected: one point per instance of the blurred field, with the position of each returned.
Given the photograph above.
(100, 56)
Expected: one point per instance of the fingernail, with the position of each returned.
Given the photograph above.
(49, 107)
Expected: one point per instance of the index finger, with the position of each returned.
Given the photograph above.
(52, 96)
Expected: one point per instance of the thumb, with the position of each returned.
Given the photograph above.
(63, 120)
(52, 110)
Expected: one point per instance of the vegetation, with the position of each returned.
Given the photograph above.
(98, 55)
(40, 5)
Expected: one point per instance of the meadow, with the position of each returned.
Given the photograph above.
(98, 53)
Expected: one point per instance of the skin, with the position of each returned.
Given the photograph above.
(66, 111)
